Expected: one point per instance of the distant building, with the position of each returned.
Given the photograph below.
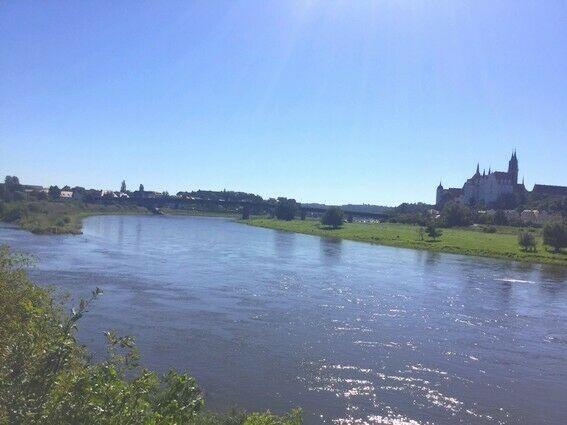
(489, 188)
(66, 194)
(108, 194)
(548, 190)
(28, 188)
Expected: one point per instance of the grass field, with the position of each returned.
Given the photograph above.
(466, 241)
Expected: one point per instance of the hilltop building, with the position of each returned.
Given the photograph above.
(489, 188)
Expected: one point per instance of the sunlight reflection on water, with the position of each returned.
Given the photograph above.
(353, 333)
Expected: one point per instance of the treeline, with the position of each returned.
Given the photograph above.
(46, 377)
(224, 195)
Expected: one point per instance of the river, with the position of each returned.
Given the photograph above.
(350, 332)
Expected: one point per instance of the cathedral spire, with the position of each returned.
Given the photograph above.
(513, 168)
(478, 168)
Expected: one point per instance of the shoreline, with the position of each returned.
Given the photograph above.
(66, 218)
(460, 241)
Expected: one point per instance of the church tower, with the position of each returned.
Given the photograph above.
(439, 197)
(513, 168)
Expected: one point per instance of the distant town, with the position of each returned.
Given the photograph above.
(491, 197)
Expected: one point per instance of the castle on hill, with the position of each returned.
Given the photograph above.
(489, 188)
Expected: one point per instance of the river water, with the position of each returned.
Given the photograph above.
(351, 332)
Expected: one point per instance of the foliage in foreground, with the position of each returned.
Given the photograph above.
(45, 377)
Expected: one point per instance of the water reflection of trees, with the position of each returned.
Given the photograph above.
(555, 274)
(284, 243)
(330, 249)
(426, 257)
(120, 230)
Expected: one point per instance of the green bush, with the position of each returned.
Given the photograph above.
(432, 231)
(527, 241)
(455, 214)
(14, 213)
(555, 235)
(333, 217)
(45, 377)
(63, 221)
(286, 209)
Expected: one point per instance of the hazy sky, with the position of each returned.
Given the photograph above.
(324, 101)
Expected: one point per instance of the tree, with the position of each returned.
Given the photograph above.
(141, 189)
(555, 235)
(333, 217)
(54, 192)
(500, 218)
(245, 212)
(527, 241)
(432, 231)
(12, 183)
(455, 214)
(123, 187)
(350, 218)
(286, 209)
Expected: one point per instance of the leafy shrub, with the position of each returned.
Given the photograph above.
(333, 217)
(500, 218)
(245, 212)
(432, 231)
(455, 214)
(45, 377)
(14, 213)
(294, 418)
(555, 235)
(489, 229)
(527, 241)
(63, 221)
(286, 209)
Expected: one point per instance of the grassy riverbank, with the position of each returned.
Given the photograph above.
(65, 217)
(467, 241)
(54, 218)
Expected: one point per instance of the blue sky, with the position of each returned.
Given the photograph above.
(324, 101)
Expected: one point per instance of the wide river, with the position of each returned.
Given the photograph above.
(351, 332)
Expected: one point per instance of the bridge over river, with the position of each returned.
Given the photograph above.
(235, 206)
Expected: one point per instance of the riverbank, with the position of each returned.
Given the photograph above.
(65, 217)
(466, 241)
(56, 218)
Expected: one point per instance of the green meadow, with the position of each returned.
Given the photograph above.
(467, 241)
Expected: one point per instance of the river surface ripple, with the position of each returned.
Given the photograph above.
(351, 332)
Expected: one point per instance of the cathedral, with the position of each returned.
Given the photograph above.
(485, 188)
